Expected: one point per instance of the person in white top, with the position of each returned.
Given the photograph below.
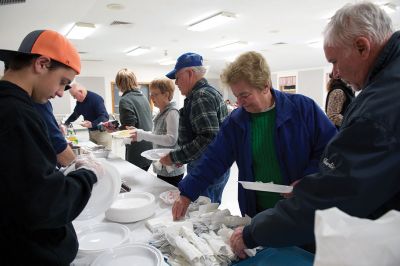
(165, 130)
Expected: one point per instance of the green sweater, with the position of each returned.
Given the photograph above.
(265, 163)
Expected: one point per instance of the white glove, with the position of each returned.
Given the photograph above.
(89, 163)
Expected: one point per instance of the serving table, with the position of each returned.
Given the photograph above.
(142, 181)
(139, 181)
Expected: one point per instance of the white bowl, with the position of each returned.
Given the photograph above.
(131, 207)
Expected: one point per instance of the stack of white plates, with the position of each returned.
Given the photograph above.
(94, 239)
(131, 254)
(131, 207)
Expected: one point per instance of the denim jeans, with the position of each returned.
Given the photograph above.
(214, 192)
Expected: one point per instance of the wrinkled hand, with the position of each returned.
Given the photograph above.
(86, 124)
(134, 136)
(289, 195)
(237, 243)
(166, 160)
(89, 163)
(180, 207)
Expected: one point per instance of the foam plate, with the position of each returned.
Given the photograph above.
(104, 192)
(155, 154)
(99, 237)
(268, 187)
(131, 254)
(122, 134)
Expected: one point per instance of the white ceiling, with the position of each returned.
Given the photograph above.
(161, 25)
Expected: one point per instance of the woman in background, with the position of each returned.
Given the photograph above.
(165, 131)
(134, 111)
(339, 97)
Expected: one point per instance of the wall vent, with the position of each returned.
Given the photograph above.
(118, 22)
(11, 2)
(279, 43)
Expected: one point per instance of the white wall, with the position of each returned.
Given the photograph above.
(94, 72)
(311, 84)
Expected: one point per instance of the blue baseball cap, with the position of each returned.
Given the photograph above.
(185, 60)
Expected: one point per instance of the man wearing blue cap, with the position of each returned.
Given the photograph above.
(199, 120)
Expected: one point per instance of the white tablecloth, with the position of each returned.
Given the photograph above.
(138, 180)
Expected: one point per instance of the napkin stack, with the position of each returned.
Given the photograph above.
(201, 239)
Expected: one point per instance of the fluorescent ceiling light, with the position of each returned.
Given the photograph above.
(389, 8)
(212, 21)
(315, 44)
(231, 46)
(138, 51)
(167, 62)
(81, 30)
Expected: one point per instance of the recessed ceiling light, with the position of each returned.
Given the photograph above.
(114, 6)
(167, 62)
(212, 21)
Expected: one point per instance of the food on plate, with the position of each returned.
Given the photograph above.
(123, 134)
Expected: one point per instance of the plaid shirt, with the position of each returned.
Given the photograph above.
(206, 114)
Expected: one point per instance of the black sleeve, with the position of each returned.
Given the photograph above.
(359, 174)
(72, 117)
(33, 193)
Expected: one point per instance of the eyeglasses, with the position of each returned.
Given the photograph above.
(155, 94)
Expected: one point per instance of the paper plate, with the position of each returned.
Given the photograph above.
(268, 187)
(131, 254)
(122, 134)
(155, 154)
(131, 207)
(104, 192)
(99, 237)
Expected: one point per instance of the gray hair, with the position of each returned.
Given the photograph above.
(199, 70)
(353, 20)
